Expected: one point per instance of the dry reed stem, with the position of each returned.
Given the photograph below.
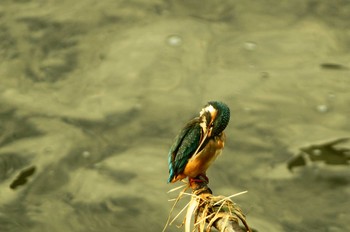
(209, 211)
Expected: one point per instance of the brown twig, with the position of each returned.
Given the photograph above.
(209, 211)
(216, 211)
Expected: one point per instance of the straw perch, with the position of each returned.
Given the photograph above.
(213, 211)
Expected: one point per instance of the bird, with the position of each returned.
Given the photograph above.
(198, 143)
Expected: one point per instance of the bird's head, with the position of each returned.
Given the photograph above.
(214, 117)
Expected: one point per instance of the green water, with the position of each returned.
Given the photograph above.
(92, 94)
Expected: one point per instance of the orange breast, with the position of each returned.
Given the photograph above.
(199, 163)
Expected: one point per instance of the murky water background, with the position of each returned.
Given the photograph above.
(92, 94)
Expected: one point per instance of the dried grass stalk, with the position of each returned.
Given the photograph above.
(207, 211)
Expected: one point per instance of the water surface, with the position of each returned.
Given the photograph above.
(93, 92)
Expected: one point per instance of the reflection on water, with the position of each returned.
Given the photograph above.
(327, 152)
(93, 92)
(22, 177)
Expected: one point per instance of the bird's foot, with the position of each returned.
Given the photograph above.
(199, 179)
(198, 182)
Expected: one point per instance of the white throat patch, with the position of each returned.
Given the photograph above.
(209, 109)
(204, 123)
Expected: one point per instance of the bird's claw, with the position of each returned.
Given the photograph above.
(199, 179)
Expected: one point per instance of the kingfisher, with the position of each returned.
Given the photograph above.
(199, 143)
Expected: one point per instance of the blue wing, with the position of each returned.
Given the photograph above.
(185, 145)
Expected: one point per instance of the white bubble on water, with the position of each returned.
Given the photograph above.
(317, 152)
(322, 108)
(174, 40)
(250, 46)
(86, 154)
